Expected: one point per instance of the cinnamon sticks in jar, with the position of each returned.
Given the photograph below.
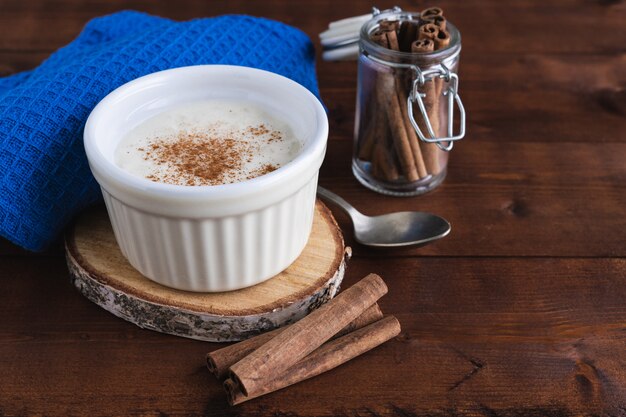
(345, 327)
(388, 147)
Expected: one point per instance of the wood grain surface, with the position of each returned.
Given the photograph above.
(521, 311)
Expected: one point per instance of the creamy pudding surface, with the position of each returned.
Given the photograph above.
(208, 142)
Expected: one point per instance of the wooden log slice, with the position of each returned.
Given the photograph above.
(102, 274)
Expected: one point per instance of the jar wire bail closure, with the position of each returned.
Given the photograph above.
(452, 94)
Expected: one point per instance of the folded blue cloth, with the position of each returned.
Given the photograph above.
(44, 176)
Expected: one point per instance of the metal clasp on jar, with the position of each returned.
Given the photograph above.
(452, 92)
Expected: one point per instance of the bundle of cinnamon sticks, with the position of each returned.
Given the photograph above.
(387, 139)
(345, 327)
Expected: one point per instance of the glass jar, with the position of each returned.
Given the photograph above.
(405, 111)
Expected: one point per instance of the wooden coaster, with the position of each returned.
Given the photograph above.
(100, 271)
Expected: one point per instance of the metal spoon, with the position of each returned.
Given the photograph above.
(405, 228)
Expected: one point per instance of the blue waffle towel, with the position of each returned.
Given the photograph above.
(44, 176)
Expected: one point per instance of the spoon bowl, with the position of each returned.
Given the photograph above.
(405, 228)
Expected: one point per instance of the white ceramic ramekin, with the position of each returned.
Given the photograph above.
(209, 238)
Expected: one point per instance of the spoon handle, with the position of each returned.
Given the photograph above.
(328, 195)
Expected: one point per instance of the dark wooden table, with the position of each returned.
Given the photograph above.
(520, 311)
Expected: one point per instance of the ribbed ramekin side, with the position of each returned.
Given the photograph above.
(215, 254)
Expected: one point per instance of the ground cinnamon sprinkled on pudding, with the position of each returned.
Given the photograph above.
(258, 130)
(265, 169)
(208, 158)
(209, 142)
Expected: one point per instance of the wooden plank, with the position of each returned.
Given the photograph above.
(534, 115)
(469, 299)
(9, 249)
(514, 72)
(516, 97)
(491, 163)
(507, 199)
(594, 72)
(530, 26)
(495, 337)
(15, 61)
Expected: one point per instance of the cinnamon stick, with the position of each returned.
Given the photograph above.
(374, 131)
(411, 134)
(372, 119)
(401, 92)
(387, 96)
(380, 38)
(431, 11)
(374, 145)
(423, 45)
(389, 25)
(298, 340)
(328, 356)
(220, 360)
(407, 34)
(431, 103)
(428, 31)
(385, 87)
(383, 163)
(436, 20)
(442, 40)
(392, 40)
(427, 15)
